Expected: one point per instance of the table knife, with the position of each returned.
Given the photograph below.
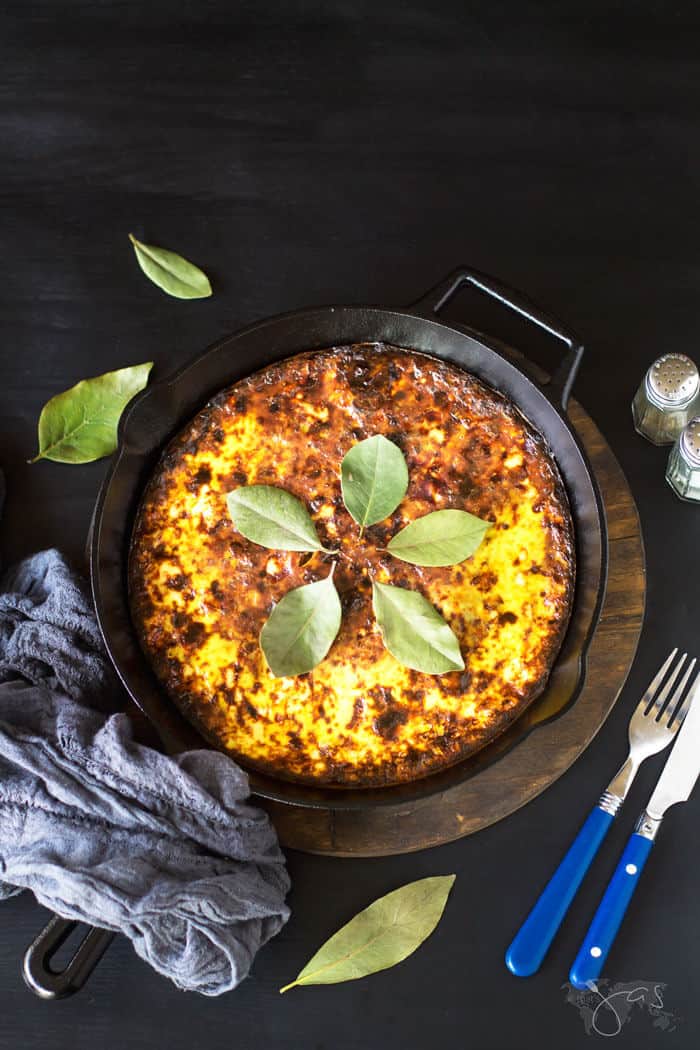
(675, 785)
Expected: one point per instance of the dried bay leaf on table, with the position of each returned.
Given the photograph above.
(384, 934)
(170, 272)
(80, 424)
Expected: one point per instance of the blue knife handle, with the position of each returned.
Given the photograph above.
(532, 941)
(606, 921)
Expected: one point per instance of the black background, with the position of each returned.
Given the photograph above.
(307, 153)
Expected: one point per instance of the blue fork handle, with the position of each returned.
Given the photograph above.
(611, 910)
(531, 943)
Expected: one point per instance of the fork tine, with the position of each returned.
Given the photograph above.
(682, 711)
(660, 701)
(655, 683)
(673, 703)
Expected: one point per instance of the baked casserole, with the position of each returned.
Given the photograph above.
(200, 592)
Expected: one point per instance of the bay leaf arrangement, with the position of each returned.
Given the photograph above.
(303, 626)
(382, 935)
(80, 425)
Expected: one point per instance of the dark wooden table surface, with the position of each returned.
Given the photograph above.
(356, 151)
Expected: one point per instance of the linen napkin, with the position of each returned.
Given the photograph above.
(100, 828)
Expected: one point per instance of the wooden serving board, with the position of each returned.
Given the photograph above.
(521, 773)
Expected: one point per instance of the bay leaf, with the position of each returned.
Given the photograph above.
(382, 935)
(374, 479)
(273, 518)
(414, 632)
(79, 425)
(444, 537)
(172, 273)
(301, 628)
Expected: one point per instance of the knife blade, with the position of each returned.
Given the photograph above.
(682, 766)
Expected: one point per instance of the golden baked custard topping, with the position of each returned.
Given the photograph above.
(201, 592)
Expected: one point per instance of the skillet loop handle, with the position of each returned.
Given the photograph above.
(559, 386)
(49, 983)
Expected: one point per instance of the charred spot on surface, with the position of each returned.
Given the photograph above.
(358, 708)
(360, 374)
(507, 617)
(485, 581)
(194, 633)
(481, 682)
(399, 438)
(354, 599)
(250, 709)
(387, 724)
(390, 714)
(414, 757)
(191, 446)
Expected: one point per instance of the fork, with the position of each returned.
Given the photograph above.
(651, 729)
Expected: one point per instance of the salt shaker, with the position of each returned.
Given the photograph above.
(667, 399)
(683, 470)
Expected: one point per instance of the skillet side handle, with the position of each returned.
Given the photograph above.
(47, 983)
(559, 386)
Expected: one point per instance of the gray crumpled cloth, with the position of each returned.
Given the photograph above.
(168, 851)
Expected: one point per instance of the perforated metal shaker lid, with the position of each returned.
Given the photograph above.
(672, 381)
(690, 442)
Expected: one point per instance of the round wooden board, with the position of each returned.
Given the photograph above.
(547, 751)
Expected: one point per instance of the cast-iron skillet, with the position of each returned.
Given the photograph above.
(162, 409)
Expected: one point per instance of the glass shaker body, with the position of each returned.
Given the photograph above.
(683, 469)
